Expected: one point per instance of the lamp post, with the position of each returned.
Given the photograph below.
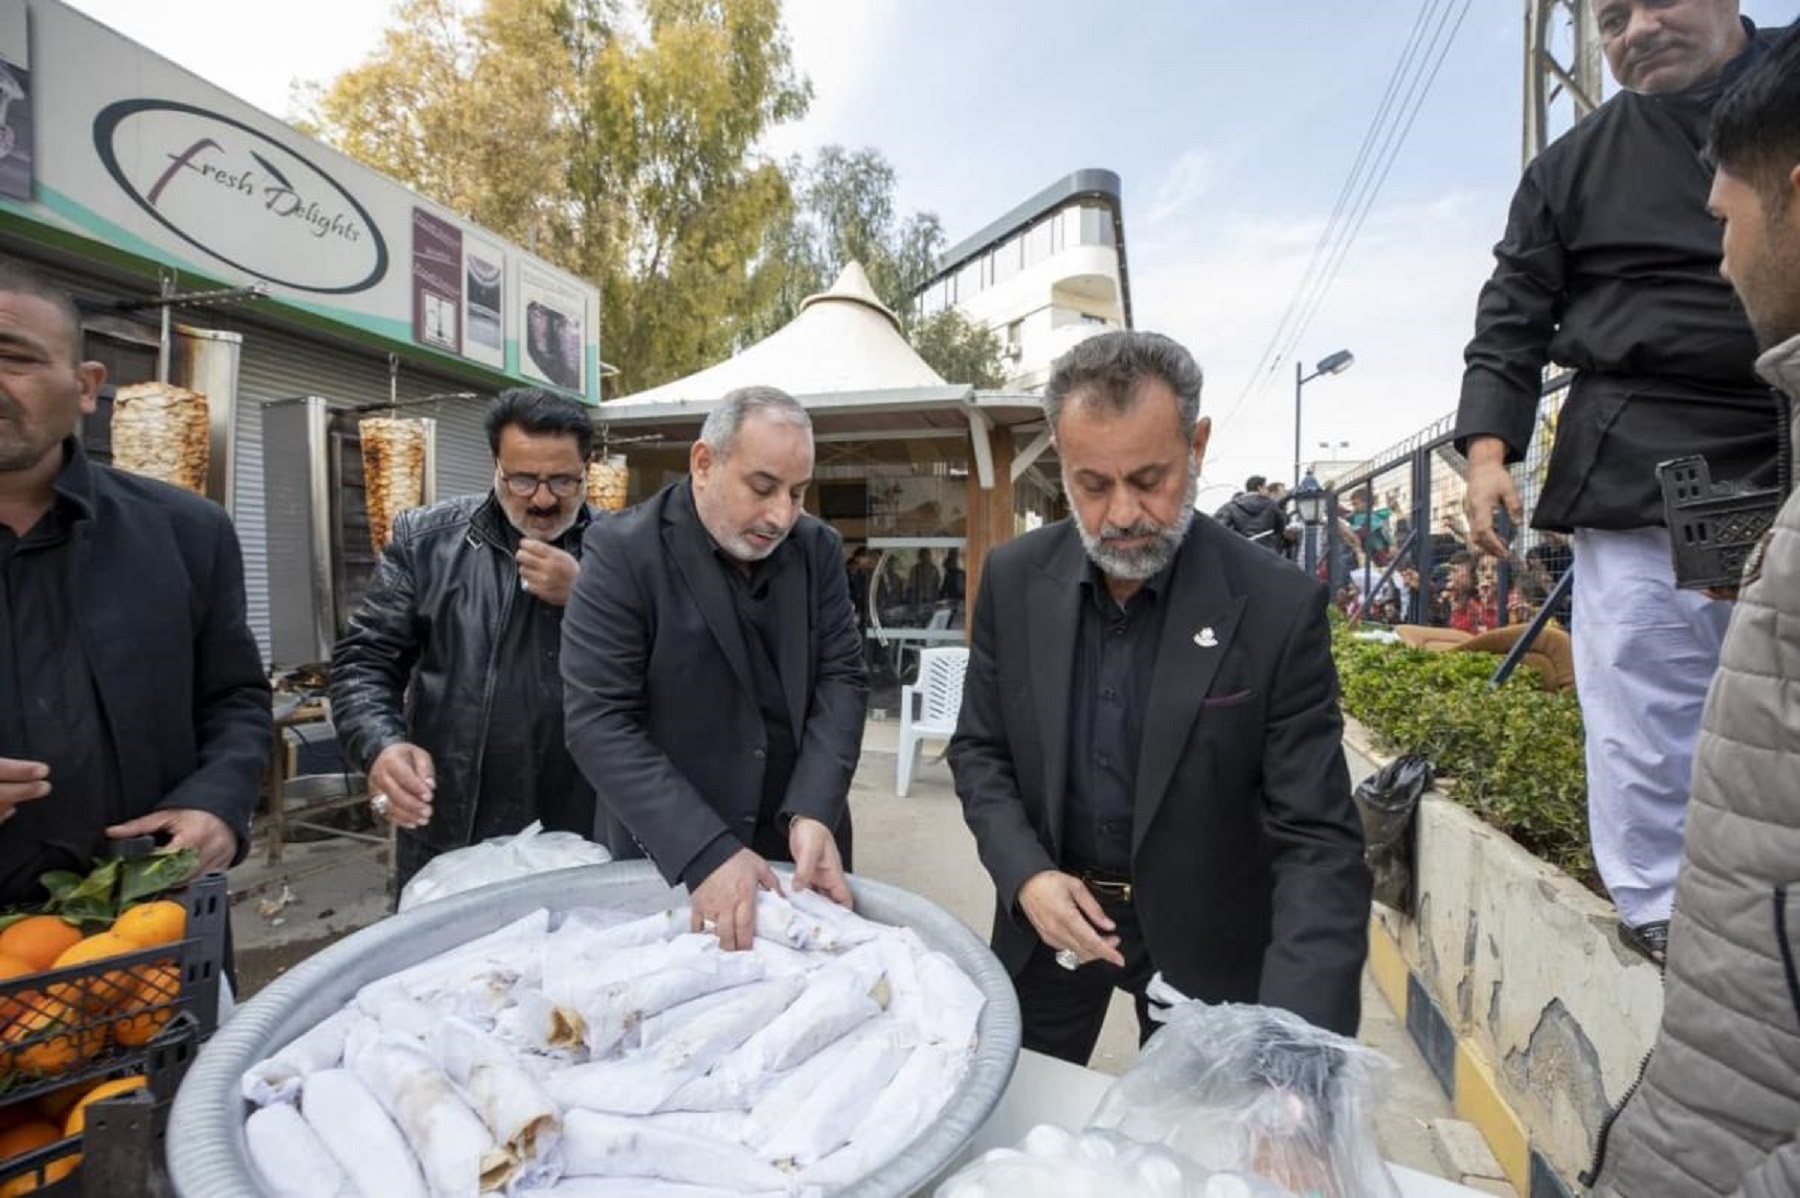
(1333, 364)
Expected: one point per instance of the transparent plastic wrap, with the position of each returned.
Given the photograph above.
(1053, 1163)
(533, 851)
(1258, 1090)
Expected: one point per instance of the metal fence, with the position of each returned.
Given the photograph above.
(1394, 540)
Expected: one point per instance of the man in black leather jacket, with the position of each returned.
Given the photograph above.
(447, 687)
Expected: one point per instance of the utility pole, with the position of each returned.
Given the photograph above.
(1562, 59)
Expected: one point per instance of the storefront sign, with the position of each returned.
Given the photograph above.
(118, 146)
(240, 196)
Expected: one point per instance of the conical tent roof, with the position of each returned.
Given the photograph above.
(843, 340)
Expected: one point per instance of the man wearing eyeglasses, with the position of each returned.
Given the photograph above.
(466, 609)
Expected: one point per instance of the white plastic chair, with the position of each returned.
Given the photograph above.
(938, 697)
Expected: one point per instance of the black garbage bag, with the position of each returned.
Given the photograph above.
(1386, 801)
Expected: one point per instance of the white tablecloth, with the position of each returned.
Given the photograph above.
(1046, 1090)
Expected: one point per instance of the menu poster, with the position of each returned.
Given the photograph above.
(15, 105)
(552, 316)
(484, 302)
(437, 282)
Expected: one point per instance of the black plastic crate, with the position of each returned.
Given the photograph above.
(1713, 527)
(188, 1012)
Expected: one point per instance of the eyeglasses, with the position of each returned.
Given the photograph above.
(524, 486)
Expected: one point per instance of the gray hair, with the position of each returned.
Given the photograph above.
(720, 431)
(1112, 367)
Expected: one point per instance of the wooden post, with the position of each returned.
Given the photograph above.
(990, 514)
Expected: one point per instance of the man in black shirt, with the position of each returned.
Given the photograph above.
(465, 614)
(1149, 751)
(714, 675)
(1610, 266)
(132, 697)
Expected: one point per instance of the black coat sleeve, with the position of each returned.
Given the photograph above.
(1515, 319)
(233, 727)
(832, 742)
(1319, 926)
(373, 662)
(981, 762)
(608, 629)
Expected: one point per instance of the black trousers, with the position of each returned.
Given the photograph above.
(1063, 1010)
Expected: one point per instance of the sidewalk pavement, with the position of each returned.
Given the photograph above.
(327, 889)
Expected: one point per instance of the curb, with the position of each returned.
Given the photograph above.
(1464, 1074)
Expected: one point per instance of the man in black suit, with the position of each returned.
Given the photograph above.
(1149, 749)
(713, 674)
(132, 698)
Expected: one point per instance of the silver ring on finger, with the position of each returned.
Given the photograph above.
(379, 803)
(709, 925)
(1068, 960)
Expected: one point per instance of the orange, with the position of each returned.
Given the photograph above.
(52, 1053)
(26, 1137)
(161, 922)
(13, 1006)
(76, 1123)
(39, 939)
(158, 986)
(105, 992)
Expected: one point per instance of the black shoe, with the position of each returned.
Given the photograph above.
(1650, 939)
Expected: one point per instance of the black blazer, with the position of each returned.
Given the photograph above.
(1246, 849)
(659, 699)
(159, 585)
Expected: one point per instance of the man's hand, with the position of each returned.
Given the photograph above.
(1490, 486)
(1067, 915)
(404, 774)
(21, 782)
(547, 571)
(817, 865)
(187, 828)
(726, 901)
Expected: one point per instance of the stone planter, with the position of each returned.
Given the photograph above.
(1514, 984)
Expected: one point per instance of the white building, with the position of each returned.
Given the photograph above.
(1044, 276)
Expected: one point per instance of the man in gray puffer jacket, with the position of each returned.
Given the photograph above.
(1718, 1110)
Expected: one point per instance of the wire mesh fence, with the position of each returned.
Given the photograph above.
(1391, 537)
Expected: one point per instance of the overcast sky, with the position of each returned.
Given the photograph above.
(1233, 125)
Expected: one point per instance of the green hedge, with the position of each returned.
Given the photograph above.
(1512, 755)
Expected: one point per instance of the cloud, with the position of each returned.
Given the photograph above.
(837, 45)
(1183, 185)
(1403, 301)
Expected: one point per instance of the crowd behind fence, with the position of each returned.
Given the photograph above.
(1393, 542)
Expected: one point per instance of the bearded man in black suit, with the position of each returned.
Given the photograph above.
(1149, 751)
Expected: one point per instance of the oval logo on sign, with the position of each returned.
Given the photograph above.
(240, 196)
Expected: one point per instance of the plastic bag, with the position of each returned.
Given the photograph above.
(533, 851)
(1260, 1091)
(1386, 801)
(1052, 1163)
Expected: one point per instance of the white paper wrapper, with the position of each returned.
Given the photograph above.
(290, 1159)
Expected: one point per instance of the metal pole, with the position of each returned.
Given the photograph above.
(1298, 383)
(1529, 637)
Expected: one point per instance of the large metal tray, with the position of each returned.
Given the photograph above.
(206, 1151)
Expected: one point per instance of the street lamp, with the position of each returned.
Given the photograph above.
(1311, 504)
(1333, 364)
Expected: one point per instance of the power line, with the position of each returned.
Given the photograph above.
(1344, 249)
(1363, 186)
(1329, 233)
